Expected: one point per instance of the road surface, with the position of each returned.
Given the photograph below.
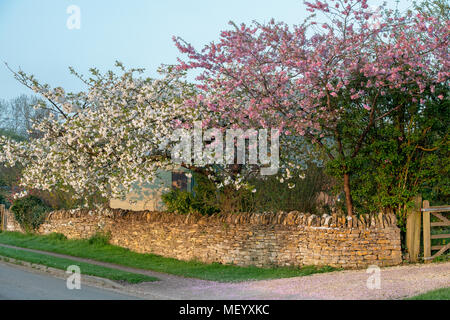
(18, 284)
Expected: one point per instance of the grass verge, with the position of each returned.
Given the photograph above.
(86, 268)
(439, 294)
(98, 249)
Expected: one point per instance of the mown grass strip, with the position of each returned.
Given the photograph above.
(101, 251)
(439, 294)
(85, 268)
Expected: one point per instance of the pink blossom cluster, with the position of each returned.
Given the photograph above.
(302, 78)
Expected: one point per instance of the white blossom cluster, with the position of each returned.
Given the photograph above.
(105, 139)
(20, 195)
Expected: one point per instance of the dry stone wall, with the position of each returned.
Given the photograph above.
(281, 239)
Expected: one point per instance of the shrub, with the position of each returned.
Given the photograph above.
(203, 199)
(178, 201)
(56, 236)
(30, 212)
(185, 202)
(262, 194)
(205, 195)
(271, 195)
(100, 238)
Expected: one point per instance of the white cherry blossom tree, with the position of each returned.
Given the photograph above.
(105, 139)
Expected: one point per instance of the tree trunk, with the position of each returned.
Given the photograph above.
(348, 196)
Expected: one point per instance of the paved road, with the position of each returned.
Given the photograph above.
(18, 284)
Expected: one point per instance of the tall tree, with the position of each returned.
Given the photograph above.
(18, 114)
(323, 81)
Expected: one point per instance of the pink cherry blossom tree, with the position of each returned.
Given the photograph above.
(312, 79)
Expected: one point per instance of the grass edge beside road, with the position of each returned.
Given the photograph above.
(85, 268)
(99, 250)
(438, 294)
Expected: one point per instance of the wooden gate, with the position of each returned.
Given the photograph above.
(437, 212)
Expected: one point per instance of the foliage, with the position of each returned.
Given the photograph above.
(4, 201)
(299, 193)
(229, 198)
(226, 200)
(29, 212)
(440, 8)
(205, 193)
(405, 155)
(201, 200)
(207, 199)
(179, 201)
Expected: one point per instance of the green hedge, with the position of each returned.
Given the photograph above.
(30, 212)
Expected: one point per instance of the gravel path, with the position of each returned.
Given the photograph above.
(396, 283)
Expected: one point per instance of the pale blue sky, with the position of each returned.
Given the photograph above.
(34, 36)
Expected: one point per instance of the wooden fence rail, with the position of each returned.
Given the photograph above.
(435, 211)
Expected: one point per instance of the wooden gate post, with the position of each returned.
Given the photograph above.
(413, 224)
(426, 231)
(2, 217)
